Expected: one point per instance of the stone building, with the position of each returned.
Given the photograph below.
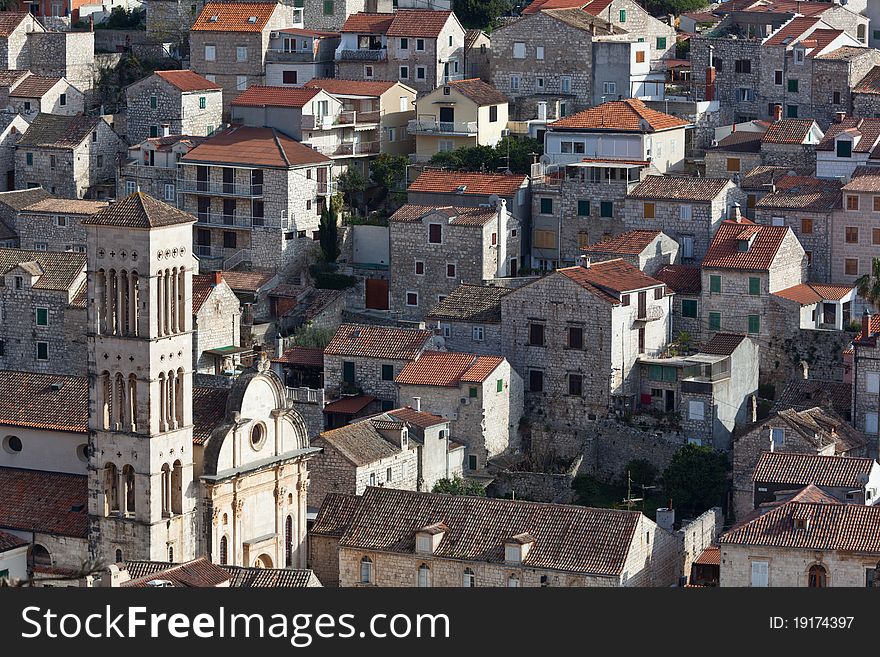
(805, 542)
(11, 202)
(257, 196)
(791, 143)
(481, 395)
(460, 114)
(433, 250)
(332, 520)
(500, 543)
(216, 325)
(685, 282)
(804, 204)
(854, 232)
(228, 43)
(648, 250)
(70, 156)
(865, 378)
(332, 15)
(734, 155)
(745, 264)
(151, 167)
(710, 390)
(172, 103)
(477, 55)
(12, 126)
(760, 181)
(55, 224)
(364, 359)
(422, 49)
(14, 41)
(296, 55)
(816, 431)
(687, 209)
(866, 95)
(49, 95)
(575, 335)
(850, 142)
(43, 312)
(168, 21)
(68, 53)
(816, 306)
(469, 318)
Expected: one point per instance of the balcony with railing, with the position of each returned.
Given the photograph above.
(346, 149)
(220, 188)
(216, 257)
(649, 314)
(433, 127)
(239, 220)
(348, 118)
(362, 55)
(282, 56)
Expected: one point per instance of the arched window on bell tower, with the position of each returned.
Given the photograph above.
(177, 487)
(111, 489)
(128, 490)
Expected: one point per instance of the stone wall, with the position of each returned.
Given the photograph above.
(782, 355)
(169, 20)
(180, 111)
(698, 534)
(217, 324)
(789, 566)
(67, 54)
(716, 163)
(367, 376)
(39, 231)
(817, 243)
(324, 558)
(789, 155)
(536, 486)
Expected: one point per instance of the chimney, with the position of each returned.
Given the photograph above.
(417, 403)
(279, 347)
(866, 325)
(666, 518)
(777, 112)
(218, 277)
(805, 369)
(839, 117)
(753, 404)
(733, 128)
(710, 83)
(736, 212)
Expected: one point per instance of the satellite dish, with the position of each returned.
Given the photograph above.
(494, 198)
(545, 159)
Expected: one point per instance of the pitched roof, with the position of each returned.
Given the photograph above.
(202, 285)
(65, 205)
(56, 131)
(335, 514)
(867, 128)
(804, 193)
(412, 213)
(360, 443)
(303, 356)
(723, 344)
(826, 526)
(342, 87)
(186, 80)
(478, 91)
(9, 21)
(139, 210)
(259, 96)
(864, 179)
(629, 115)
(444, 181)
(247, 281)
(614, 275)
(680, 188)
(9, 77)
(10, 542)
(349, 405)
(822, 427)
(301, 31)
(711, 556)
(802, 469)
(788, 131)
(820, 39)
(60, 269)
(744, 141)
(802, 394)
(234, 17)
(471, 303)
(764, 175)
(427, 23)
(209, 411)
(369, 341)
(583, 21)
(47, 502)
(32, 400)
(252, 577)
(34, 86)
(870, 84)
(416, 418)
(792, 31)
(198, 573)
(257, 146)
(447, 368)
(681, 279)
(569, 538)
(724, 250)
(367, 23)
(630, 243)
(807, 294)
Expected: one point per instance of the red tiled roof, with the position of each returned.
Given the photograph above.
(31, 400)
(804, 193)
(259, 96)
(248, 281)
(209, 411)
(868, 128)
(202, 284)
(629, 243)
(537, 5)
(682, 279)
(335, 514)
(349, 405)
(199, 573)
(419, 419)
(616, 276)
(723, 344)
(46, 502)
(478, 91)
(34, 86)
(471, 303)
(446, 368)
(809, 293)
(139, 210)
(788, 131)
(257, 146)
(342, 87)
(234, 17)
(820, 39)
(442, 181)
(304, 32)
(303, 356)
(368, 341)
(711, 556)
(412, 213)
(864, 179)
(680, 188)
(630, 115)
(723, 252)
(186, 80)
(792, 31)
(367, 23)
(743, 141)
(360, 443)
(9, 21)
(870, 84)
(10, 542)
(802, 469)
(427, 23)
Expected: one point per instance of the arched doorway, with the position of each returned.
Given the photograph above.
(817, 577)
(263, 561)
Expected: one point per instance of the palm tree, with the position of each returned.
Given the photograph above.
(868, 286)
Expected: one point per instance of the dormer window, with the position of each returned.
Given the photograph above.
(742, 246)
(446, 91)
(799, 54)
(844, 148)
(19, 282)
(517, 547)
(802, 524)
(429, 537)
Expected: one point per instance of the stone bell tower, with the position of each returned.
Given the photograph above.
(141, 489)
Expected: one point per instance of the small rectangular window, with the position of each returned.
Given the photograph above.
(734, 164)
(154, 102)
(806, 226)
(536, 335)
(435, 233)
(42, 351)
(754, 286)
(575, 337)
(388, 372)
(661, 43)
(450, 270)
(412, 298)
(420, 44)
(42, 317)
(851, 235)
(203, 103)
(793, 85)
(420, 268)
(648, 210)
(473, 392)
(536, 381)
(546, 206)
(606, 209)
(499, 385)
(715, 321)
(575, 385)
(328, 7)
(754, 323)
(583, 208)
(851, 266)
(715, 284)
(688, 307)
(477, 333)
(622, 15)
(852, 202)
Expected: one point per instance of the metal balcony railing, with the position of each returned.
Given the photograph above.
(239, 220)
(345, 118)
(220, 188)
(364, 55)
(279, 55)
(346, 149)
(428, 126)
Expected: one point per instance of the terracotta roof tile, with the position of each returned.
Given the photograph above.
(31, 400)
(312, 33)
(809, 293)
(427, 23)
(277, 578)
(234, 17)
(802, 394)
(9, 77)
(478, 91)
(792, 31)
(567, 538)
(740, 142)
(412, 213)
(584, 21)
(442, 181)
(360, 443)
(804, 193)
(630, 115)
(46, 502)
(342, 87)
(198, 573)
(303, 356)
(864, 179)
(446, 368)
(34, 86)
(723, 344)
(9, 21)
(66, 206)
(56, 131)
(471, 303)
(868, 128)
(247, 281)
(724, 250)
(139, 210)
(761, 177)
(711, 556)
(258, 96)
(335, 514)
(788, 131)
(60, 269)
(822, 428)
(209, 411)
(802, 469)
(870, 84)
(819, 40)
(681, 279)
(616, 276)
(369, 341)
(680, 188)
(186, 80)
(416, 418)
(256, 146)
(367, 23)
(202, 285)
(630, 243)
(349, 405)
(10, 542)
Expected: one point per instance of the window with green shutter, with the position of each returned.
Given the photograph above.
(388, 372)
(154, 103)
(348, 371)
(715, 321)
(583, 208)
(754, 323)
(791, 111)
(661, 43)
(546, 206)
(328, 7)
(754, 286)
(202, 102)
(472, 392)
(688, 307)
(42, 317)
(793, 85)
(499, 385)
(623, 15)
(655, 372)
(715, 284)
(606, 209)
(844, 148)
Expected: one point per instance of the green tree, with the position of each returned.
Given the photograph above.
(675, 7)
(481, 14)
(459, 486)
(516, 154)
(313, 337)
(329, 234)
(696, 478)
(388, 172)
(641, 472)
(351, 184)
(868, 285)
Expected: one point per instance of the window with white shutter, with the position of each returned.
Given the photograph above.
(760, 573)
(870, 422)
(872, 382)
(696, 410)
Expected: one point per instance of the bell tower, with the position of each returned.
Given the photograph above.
(141, 490)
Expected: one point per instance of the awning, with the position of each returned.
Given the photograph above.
(227, 351)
